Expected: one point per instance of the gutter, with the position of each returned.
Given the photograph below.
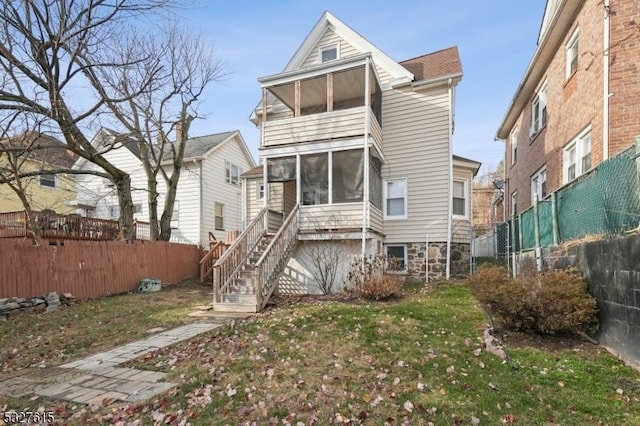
(433, 81)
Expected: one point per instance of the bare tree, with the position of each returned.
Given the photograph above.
(167, 108)
(52, 53)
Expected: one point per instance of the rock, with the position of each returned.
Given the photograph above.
(9, 306)
(52, 308)
(53, 299)
(25, 304)
(4, 301)
(493, 345)
(37, 301)
(19, 299)
(69, 296)
(149, 285)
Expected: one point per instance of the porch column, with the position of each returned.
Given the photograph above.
(296, 102)
(329, 92)
(266, 194)
(365, 189)
(264, 115)
(298, 188)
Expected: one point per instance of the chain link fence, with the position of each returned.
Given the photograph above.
(604, 202)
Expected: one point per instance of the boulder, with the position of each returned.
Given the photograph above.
(8, 307)
(37, 301)
(149, 285)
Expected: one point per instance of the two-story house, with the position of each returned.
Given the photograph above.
(356, 156)
(577, 103)
(208, 198)
(31, 153)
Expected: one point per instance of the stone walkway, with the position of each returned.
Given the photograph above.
(97, 379)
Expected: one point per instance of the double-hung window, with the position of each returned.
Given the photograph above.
(577, 156)
(459, 200)
(514, 145)
(572, 54)
(259, 191)
(219, 216)
(231, 173)
(539, 110)
(514, 203)
(539, 185)
(395, 195)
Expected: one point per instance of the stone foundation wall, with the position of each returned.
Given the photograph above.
(437, 264)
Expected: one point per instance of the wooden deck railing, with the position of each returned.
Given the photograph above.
(234, 258)
(66, 227)
(275, 257)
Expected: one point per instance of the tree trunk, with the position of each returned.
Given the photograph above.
(169, 202)
(123, 184)
(154, 229)
(33, 231)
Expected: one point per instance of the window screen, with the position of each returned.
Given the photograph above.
(281, 169)
(314, 179)
(347, 167)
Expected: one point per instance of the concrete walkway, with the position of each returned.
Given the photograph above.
(97, 379)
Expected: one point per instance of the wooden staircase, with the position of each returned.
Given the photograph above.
(247, 273)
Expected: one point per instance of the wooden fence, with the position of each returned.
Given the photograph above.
(90, 269)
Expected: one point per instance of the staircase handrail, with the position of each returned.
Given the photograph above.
(206, 263)
(269, 261)
(234, 258)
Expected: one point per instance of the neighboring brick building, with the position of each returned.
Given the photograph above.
(579, 100)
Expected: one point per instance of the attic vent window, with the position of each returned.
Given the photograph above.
(329, 53)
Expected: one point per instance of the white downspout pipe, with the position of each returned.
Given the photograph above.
(605, 82)
(365, 166)
(426, 257)
(449, 202)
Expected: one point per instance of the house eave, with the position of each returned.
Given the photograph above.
(313, 71)
(438, 81)
(561, 22)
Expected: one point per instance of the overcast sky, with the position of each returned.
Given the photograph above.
(496, 40)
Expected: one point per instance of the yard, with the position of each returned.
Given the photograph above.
(416, 360)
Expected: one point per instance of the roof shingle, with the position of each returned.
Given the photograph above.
(436, 64)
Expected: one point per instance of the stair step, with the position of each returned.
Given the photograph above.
(241, 299)
(235, 307)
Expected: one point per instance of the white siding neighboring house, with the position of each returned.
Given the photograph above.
(371, 167)
(203, 186)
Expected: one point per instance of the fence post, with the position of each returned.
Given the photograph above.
(554, 220)
(536, 235)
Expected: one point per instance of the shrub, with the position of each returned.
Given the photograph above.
(548, 302)
(374, 283)
(379, 288)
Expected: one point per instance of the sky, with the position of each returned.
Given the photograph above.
(496, 40)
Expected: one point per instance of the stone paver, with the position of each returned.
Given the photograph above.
(97, 379)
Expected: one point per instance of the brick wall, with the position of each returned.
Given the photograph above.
(576, 102)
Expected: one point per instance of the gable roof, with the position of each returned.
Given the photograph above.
(41, 147)
(435, 65)
(354, 39)
(195, 148)
(467, 163)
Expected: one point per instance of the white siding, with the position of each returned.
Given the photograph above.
(338, 216)
(216, 190)
(346, 50)
(188, 199)
(416, 147)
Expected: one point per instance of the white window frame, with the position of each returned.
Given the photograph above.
(536, 186)
(582, 145)
(514, 145)
(465, 189)
(259, 191)
(215, 216)
(571, 48)
(229, 175)
(541, 100)
(55, 181)
(514, 203)
(406, 257)
(384, 199)
(323, 49)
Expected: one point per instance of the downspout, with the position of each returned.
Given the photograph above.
(365, 165)
(450, 203)
(471, 230)
(202, 236)
(605, 82)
